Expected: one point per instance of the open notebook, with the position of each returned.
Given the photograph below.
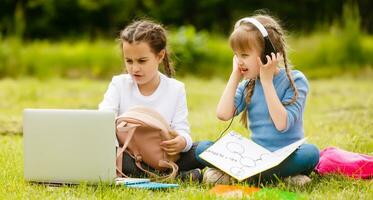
(242, 158)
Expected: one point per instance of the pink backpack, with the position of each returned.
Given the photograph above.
(338, 161)
(140, 131)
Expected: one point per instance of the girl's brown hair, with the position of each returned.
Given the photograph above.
(247, 37)
(151, 33)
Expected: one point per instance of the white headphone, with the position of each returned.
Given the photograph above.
(268, 46)
(255, 22)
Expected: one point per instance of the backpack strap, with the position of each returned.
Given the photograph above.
(172, 165)
(131, 130)
(169, 164)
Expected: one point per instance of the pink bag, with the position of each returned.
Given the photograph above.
(140, 131)
(338, 161)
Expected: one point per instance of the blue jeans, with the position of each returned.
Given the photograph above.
(301, 161)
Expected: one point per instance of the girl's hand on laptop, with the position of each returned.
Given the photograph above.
(174, 146)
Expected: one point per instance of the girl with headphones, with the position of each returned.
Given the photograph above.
(270, 96)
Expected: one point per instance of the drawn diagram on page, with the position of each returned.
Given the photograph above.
(245, 162)
(241, 158)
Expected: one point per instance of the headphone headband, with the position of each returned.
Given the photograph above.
(268, 46)
(256, 23)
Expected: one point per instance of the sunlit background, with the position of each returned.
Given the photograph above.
(77, 38)
(63, 53)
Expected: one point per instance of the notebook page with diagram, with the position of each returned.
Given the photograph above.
(242, 158)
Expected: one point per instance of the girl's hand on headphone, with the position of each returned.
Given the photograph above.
(268, 70)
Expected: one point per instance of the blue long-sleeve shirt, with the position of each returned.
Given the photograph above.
(260, 123)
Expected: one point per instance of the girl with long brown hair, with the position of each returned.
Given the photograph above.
(271, 96)
(144, 47)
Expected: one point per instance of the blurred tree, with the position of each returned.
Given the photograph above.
(104, 18)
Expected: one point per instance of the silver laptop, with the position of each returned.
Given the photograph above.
(69, 146)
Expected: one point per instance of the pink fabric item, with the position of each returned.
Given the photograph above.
(338, 161)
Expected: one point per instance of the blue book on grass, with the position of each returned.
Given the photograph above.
(152, 185)
(131, 181)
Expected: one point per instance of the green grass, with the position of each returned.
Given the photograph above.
(339, 113)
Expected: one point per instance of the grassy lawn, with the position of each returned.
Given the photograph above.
(339, 113)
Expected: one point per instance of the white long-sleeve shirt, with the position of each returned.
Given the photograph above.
(168, 99)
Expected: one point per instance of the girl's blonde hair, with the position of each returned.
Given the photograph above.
(247, 37)
(151, 33)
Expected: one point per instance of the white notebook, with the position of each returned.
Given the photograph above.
(242, 158)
